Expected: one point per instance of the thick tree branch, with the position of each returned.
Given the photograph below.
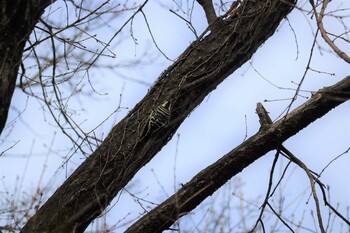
(17, 20)
(209, 10)
(213, 177)
(202, 66)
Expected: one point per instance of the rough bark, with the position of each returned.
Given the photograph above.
(213, 177)
(209, 10)
(17, 20)
(202, 66)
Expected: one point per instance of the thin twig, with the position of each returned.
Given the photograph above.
(319, 20)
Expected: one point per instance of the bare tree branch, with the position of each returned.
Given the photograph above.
(312, 184)
(210, 179)
(319, 20)
(209, 10)
(17, 20)
(265, 122)
(198, 71)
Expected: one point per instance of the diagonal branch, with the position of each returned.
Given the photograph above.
(198, 71)
(312, 184)
(213, 177)
(209, 10)
(17, 20)
(319, 20)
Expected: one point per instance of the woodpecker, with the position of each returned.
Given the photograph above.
(157, 118)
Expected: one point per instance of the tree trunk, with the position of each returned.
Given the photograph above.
(17, 20)
(131, 143)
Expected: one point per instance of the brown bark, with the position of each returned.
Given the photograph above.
(205, 64)
(214, 176)
(209, 10)
(17, 20)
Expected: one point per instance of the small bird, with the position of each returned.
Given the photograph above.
(158, 118)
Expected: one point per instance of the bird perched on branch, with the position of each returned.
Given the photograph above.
(157, 119)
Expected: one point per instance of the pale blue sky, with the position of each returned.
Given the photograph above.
(213, 128)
